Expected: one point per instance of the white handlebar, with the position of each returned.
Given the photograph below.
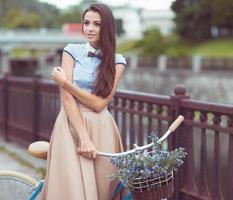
(171, 129)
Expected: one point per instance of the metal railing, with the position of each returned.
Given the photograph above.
(29, 106)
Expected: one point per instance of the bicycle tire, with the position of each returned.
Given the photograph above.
(15, 185)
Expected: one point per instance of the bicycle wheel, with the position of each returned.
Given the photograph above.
(15, 185)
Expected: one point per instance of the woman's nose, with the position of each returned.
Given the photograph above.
(90, 27)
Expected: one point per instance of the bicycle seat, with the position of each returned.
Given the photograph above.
(39, 149)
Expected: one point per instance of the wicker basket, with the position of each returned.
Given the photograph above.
(152, 188)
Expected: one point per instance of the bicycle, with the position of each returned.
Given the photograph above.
(24, 187)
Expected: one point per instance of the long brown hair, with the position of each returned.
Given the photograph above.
(106, 70)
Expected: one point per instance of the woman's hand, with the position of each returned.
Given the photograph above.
(59, 75)
(87, 148)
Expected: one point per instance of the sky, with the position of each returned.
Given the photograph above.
(148, 4)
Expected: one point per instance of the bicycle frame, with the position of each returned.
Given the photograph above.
(36, 190)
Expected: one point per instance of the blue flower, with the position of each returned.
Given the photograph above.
(145, 164)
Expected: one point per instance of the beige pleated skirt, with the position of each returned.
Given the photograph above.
(71, 176)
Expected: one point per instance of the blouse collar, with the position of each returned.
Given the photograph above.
(90, 48)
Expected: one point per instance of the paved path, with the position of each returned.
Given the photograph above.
(8, 162)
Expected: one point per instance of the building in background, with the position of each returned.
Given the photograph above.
(161, 19)
(135, 21)
(130, 21)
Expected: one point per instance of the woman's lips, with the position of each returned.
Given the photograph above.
(90, 35)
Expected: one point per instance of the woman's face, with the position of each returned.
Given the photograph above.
(91, 28)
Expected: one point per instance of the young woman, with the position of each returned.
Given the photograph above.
(88, 78)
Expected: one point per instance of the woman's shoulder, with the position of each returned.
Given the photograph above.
(74, 50)
(120, 59)
(75, 46)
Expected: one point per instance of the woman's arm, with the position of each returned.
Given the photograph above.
(72, 110)
(90, 100)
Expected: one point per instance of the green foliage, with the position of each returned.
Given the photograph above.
(222, 13)
(195, 18)
(178, 50)
(21, 19)
(35, 14)
(71, 15)
(176, 47)
(127, 46)
(152, 43)
(20, 53)
(48, 14)
(210, 48)
(27, 53)
(214, 48)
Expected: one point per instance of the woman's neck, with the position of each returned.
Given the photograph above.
(95, 46)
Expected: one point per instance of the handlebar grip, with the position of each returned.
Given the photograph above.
(176, 123)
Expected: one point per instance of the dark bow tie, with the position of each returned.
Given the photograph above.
(94, 54)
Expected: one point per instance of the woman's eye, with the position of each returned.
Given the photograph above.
(97, 24)
(86, 23)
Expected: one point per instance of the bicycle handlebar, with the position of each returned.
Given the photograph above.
(176, 123)
(171, 129)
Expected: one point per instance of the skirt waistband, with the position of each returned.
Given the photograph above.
(85, 109)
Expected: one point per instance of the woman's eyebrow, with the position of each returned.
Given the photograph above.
(93, 21)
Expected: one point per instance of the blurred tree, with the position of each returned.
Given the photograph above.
(72, 14)
(222, 15)
(152, 43)
(49, 14)
(21, 19)
(119, 27)
(193, 19)
(85, 3)
(196, 18)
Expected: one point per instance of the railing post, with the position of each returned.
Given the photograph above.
(230, 163)
(5, 61)
(5, 106)
(133, 62)
(196, 63)
(162, 63)
(180, 138)
(176, 110)
(36, 107)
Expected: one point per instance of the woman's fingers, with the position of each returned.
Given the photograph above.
(58, 68)
(58, 74)
(87, 153)
(79, 150)
(54, 72)
(93, 154)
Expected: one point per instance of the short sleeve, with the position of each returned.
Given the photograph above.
(72, 50)
(120, 59)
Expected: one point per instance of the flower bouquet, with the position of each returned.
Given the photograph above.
(148, 174)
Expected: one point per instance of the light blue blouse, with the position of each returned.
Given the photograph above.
(85, 68)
